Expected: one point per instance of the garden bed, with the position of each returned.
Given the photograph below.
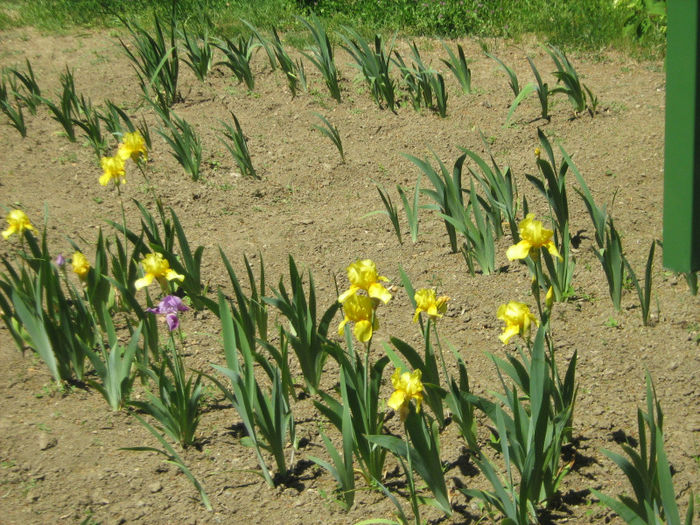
(61, 450)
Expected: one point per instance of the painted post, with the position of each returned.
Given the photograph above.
(681, 229)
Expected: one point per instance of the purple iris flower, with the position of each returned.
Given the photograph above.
(169, 307)
(60, 260)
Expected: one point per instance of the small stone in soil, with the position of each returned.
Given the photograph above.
(155, 487)
(98, 498)
(46, 442)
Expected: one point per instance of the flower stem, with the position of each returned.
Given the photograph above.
(537, 279)
(409, 479)
(442, 356)
(368, 376)
(121, 204)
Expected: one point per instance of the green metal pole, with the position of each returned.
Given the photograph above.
(682, 155)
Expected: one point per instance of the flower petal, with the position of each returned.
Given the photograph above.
(552, 249)
(508, 332)
(378, 291)
(419, 400)
(441, 304)
(416, 315)
(146, 280)
(363, 331)
(397, 399)
(396, 379)
(171, 274)
(501, 313)
(413, 382)
(347, 293)
(341, 326)
(519, 251)
(172, 321)
(123, 152)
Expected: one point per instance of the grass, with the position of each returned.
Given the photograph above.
(582, 25)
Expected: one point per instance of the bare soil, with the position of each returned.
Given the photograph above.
(60, 453)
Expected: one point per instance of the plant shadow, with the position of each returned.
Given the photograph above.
(572, 453)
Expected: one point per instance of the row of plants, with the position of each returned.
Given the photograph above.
(474, 219)
(101, 124)
(96, 322)
(156, 57)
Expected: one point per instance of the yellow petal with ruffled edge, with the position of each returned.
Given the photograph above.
(172, 274)
(377, 291)
(416, 316)
(397, 399)
(552, 249)
(519, 251)
(508, 333)
(146, 280)
(363, 331)
(347, 293)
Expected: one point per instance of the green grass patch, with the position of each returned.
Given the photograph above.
(592, 24)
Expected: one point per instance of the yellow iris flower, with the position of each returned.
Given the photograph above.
(518, 319)
(359, 309)
(533, 237)
(157, 267)
(407, 386)
(80, 265)
(363, 276)
(17, 222)
(132, 146)
(428, 303)
(113, 168)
